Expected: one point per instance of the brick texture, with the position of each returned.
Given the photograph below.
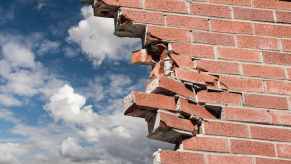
(219, 84)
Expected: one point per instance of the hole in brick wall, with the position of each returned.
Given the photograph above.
(215, 110)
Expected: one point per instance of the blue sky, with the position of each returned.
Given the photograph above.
(62, 79)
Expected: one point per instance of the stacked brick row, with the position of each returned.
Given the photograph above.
(220, 84)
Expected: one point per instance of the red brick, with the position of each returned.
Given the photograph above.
(182, 60)
(172, 121)
(273, 30)
(289, 73)
(137, 103)
(239, 54)
(166, 85)
(213, 38)
(211, 144)
(257, 42)
(247, 115)
(174, 157)
(193, 109)
(271, 161)
(195, 50)
(263, 101)
(218, 97)
(239, 84)
(283, 17)
(167, 5)
(233, 2)
(272, 4)
(277, 58)
(273, 134)
(225, 129)
(187, 22)
(210, 10)
(169, 33)
(140, 16)
(222, 159)
(279, 87)
(195, 77)
(141, 57)
(218, 66)
(253, 14)
(286, 45)
(281, 118)
(252, 148)
(126, 3)
(263, 71)
(235, 27)
(284, 150)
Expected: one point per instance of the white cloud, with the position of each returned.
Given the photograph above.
(9, 101)
(115, 138)
(20, 73)
(96, 39)
(65, 104)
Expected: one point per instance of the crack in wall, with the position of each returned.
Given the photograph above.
(188, 104)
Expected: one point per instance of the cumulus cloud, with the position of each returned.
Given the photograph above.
(21, 75)
(113, 137)
(96, 39)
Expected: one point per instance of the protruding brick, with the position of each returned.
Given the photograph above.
(193, 109)
(169, 128)
(264, 101)
(225, 129)
(212, 144)
(137, 104)
(141, 57)
(182, 60)
(195, 77)
(169, 86)
(252, 148)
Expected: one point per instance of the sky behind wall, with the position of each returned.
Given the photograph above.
(62, 79)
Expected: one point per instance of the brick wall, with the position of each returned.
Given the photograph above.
(220, 82)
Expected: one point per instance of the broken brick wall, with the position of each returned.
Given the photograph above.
(220, 82)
